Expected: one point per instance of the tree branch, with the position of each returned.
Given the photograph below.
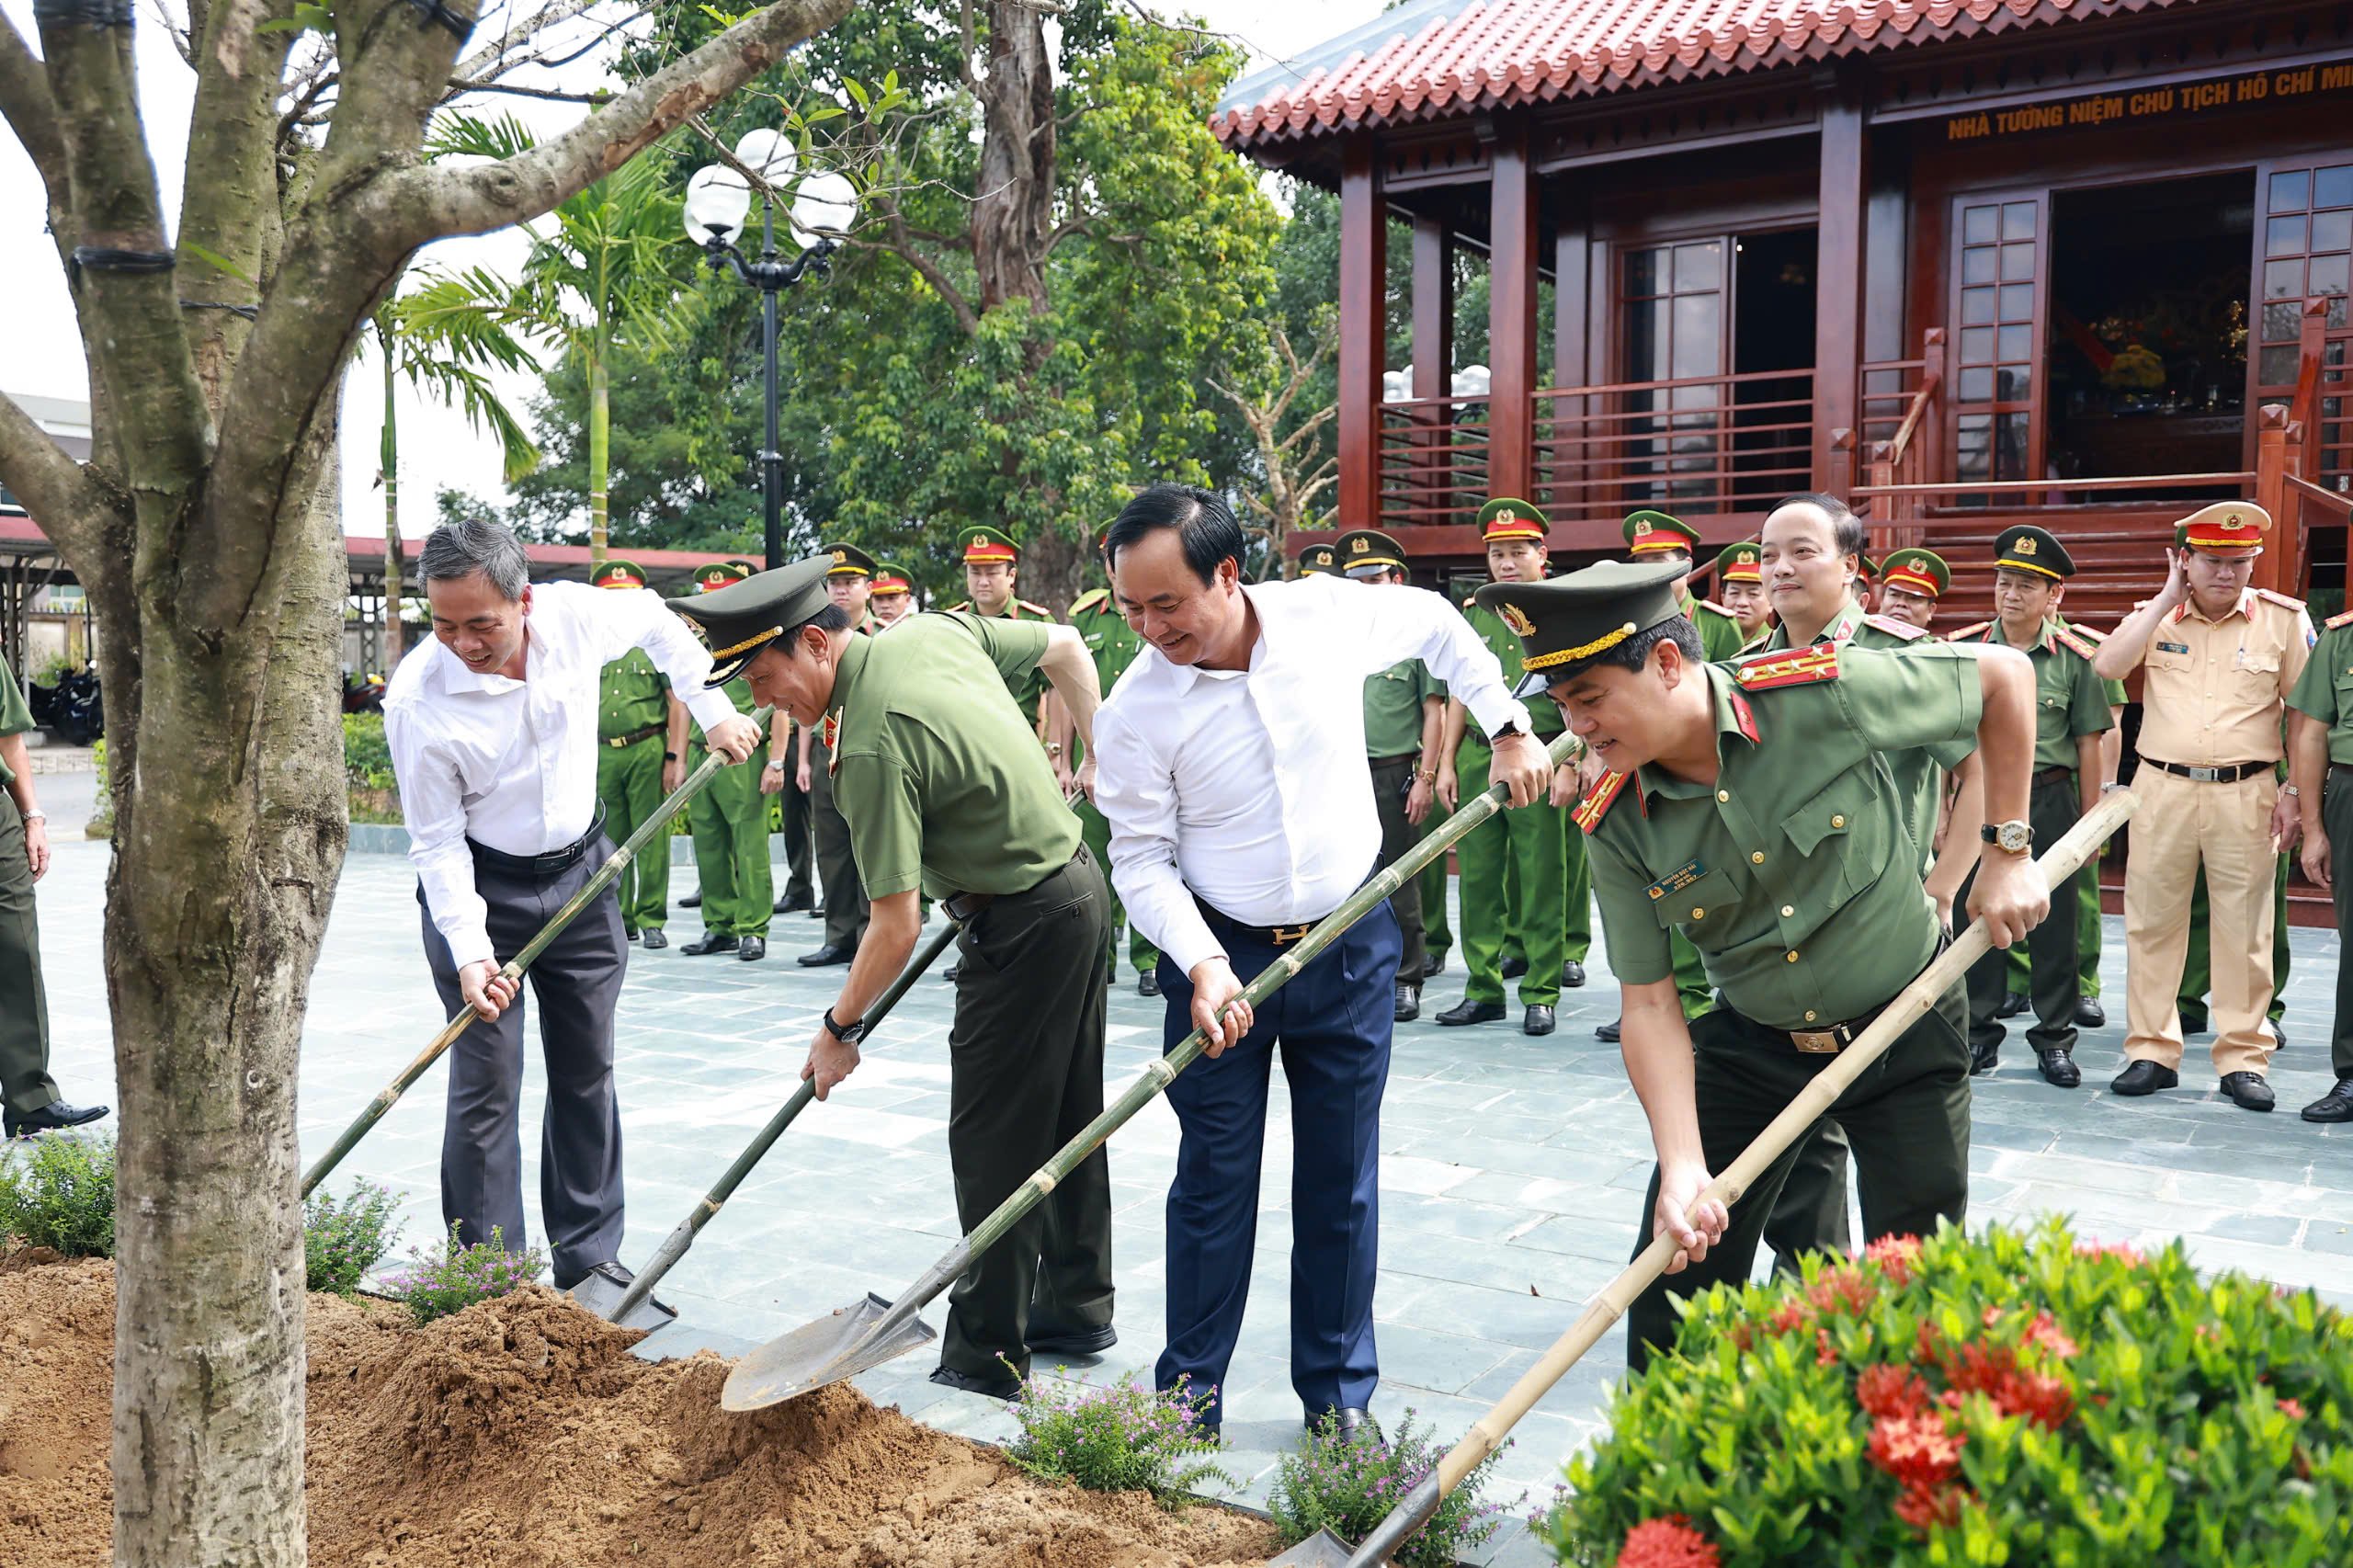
(68, 503)
(26, 105)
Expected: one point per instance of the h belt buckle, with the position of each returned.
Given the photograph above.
(1817, 1043)
(618, 740)
(2206, 775)
(1284, 936)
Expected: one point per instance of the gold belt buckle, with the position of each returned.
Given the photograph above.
(1285, 935)
(1816, 1043)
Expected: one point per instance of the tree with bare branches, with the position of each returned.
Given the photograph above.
(205, 529)
(1295, 462)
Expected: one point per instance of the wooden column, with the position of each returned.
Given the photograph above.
(1511, 318)
(1433, 351)
(1364, 269)
(1839, 273)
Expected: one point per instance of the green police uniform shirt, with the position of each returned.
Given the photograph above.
(1792, 873)
(940, 779)
(632, 697)
(1720, 635)
(1111, 643)
(2070, 699)
(1504, 644)
(1031, 688)
(16, 719)
(1392, 707)
(2324, 691)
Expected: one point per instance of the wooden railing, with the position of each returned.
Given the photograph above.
(2304, 453)
(1697, 446)
(1894, 467)
(1433, 461)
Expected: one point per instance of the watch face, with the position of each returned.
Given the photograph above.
(2016, 837)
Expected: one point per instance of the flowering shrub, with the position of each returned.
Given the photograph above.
(1116, 1438)
(1350, 1487)
(57, 1191)
(452, 1278)
(342, 1239)
(2011, 1398)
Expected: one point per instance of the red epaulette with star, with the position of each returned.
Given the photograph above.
(1798, 666)
(1979, 630)
(1596, 804)
(2282, 600)
(2334, 621)
(2074, 642)
(1903, 628)
(2091, 634)
(1710, 604)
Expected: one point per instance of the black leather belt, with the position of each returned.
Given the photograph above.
(1269, 936)
(2227, 773)
(1411, 757)
(962, 906)
(2055, 776)
(555, 862)
(634, 736)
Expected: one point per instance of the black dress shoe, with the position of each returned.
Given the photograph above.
(2279, 1035)
(1434, 964)
(1006, 1388)
(656, 940)
(2248, 1091)
(1469, 1012)
(1148, 983)
(1409, 1003)
(1984, 1062)
(692, 900)
(2013, 1003)
(1110, 972)
(1572, 973)
(831, 953)
(1613, 1031)
(2143, 1078)
(51, 1117)
(1539, 1020)
(1072, 1341)
(2089, 1014)
(2059, 1068)
(1355, 1424)
(2334, 1106)
(791, 901)
(710, 942)
(1513, 967)
(752, 950)
(628, 935)
(2193, 1024)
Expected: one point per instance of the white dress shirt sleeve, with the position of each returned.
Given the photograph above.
(433, 805)
(1413, 623)
(636, 618)
(1135, 789)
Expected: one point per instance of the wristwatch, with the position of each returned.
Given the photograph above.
(36, 815)
(2013, 836)
(777, 762)
(669, 757)
(1514, 727)
(849, 1034)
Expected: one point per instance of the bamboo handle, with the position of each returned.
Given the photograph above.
(391, 1094)
(2061, 861)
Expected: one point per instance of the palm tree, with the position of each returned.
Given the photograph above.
(442, 340)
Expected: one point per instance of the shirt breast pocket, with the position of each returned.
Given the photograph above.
(1708, 899)
(1840, 828)
(2254, 673)
(2174, 661)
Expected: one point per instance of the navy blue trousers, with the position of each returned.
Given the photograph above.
(1332, 1023)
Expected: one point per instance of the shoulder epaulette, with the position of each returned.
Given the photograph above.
(2282, 600)
(956, 608)
(2334, 621)
(1977, 630)
(1754, 643)
(1710, 604)
(1795, 666)
(1596, 804)
(1089, 599)
(2069, 638)
(1035, 609)
(1471, 602)
(2090, 633)
(1903, 628)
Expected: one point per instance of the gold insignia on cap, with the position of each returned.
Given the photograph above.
(2024, 545)
(1641, 527)
(1516, 619)
(841, 558)
(1358, 546)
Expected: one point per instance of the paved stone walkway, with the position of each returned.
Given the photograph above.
(1512, 1175)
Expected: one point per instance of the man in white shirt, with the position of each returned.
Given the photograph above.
(1231, 773)
(493, 732)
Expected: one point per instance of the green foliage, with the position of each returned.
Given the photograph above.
(366, 755)
(59, 1193)
(451, 1278)
(2011, 1398)
(343, 1239)
(1348, 1488)
(1119, 1438)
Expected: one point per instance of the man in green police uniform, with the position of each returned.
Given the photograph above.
(2320, 767)
(1318, 559)
(991, 569)
(2030, 571)
(1762, 823)
(1113, 644)
(1655, 537)
(729, 819)
(27, 1091)
(1912, 580)
(847, 582)
(633, 724)
(892, 597)
(1529, 903)
(946, 792)
(1740, 584)
(1404, 729)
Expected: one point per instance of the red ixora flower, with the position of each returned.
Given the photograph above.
(1887, 1390)
(1670, 1542)
(2291, 1409)
(2124, 1250)
(1895, 1256)
(1923, 1507)
(1916, 1449)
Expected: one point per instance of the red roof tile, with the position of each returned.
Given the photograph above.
(1492, 53)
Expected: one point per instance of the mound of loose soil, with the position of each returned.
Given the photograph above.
(522, 1433)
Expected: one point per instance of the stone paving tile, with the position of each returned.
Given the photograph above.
(1512, 1167)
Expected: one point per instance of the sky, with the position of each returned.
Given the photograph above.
(42, 354)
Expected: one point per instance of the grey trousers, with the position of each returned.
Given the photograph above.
(575, 982)
(24, 1081)
(845, 906)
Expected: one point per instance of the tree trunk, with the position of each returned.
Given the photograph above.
(600, 452)
(226, 856)
(1014, 213)
(389, 456)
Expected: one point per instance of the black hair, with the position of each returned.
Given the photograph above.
(831, 619)
(1204, 525)
(1635, 651)
(1849, 533)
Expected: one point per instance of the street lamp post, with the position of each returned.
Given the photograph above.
(718, 200)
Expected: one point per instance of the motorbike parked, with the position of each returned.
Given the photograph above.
(75, 707)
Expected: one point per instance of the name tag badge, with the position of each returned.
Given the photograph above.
(2173, 647)
(1676, 880)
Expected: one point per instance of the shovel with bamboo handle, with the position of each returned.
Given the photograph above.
(1324, 1550)
(389, 1096)
(601, 1296)
(872, 1331)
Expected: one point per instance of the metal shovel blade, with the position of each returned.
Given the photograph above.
(1322, 1549)
(833, 1348)
(600, 1294)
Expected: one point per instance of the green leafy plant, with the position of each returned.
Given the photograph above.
(59, 1193)
(453, 1277)
(343, 1239)
(2009, 1398)
(1350, 1487)
(1116, 1438)
(366, 755)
